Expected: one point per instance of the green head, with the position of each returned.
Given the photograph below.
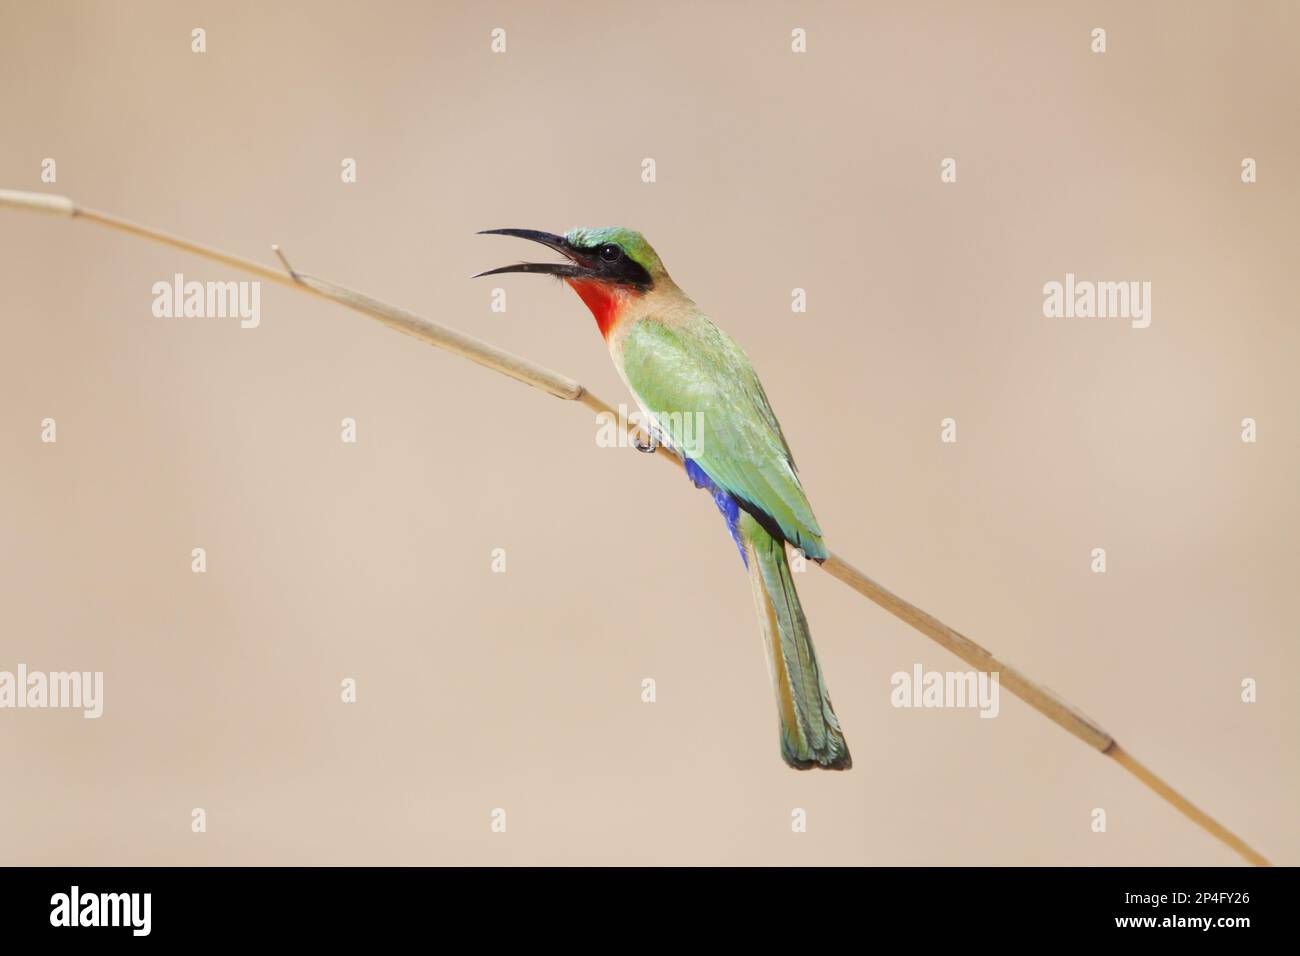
(613, 257)
(628, 242)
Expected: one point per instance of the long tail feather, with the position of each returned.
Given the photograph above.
(810, 731)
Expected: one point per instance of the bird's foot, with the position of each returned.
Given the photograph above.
(646, 442)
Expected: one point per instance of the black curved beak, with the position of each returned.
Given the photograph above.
(577, 266)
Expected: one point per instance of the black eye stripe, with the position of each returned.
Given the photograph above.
(621, 269)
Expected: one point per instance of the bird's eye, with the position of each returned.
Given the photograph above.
(610, 252)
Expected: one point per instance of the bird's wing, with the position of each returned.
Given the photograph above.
(703, 393)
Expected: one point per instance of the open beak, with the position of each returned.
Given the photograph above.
(577, 267)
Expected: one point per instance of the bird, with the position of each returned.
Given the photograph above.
(682, 369)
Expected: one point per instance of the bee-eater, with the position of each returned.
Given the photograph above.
(683, 369)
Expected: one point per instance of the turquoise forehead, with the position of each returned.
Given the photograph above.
(631, 241)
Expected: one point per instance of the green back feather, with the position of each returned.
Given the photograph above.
(695, 367)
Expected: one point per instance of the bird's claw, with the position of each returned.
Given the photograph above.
(649, 445)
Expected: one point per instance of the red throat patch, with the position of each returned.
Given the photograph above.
(604, 300)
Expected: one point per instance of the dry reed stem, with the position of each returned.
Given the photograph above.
(525, 370)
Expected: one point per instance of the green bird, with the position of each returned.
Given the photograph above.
(701, 397)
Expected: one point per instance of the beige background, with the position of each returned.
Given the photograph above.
(522, 690)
